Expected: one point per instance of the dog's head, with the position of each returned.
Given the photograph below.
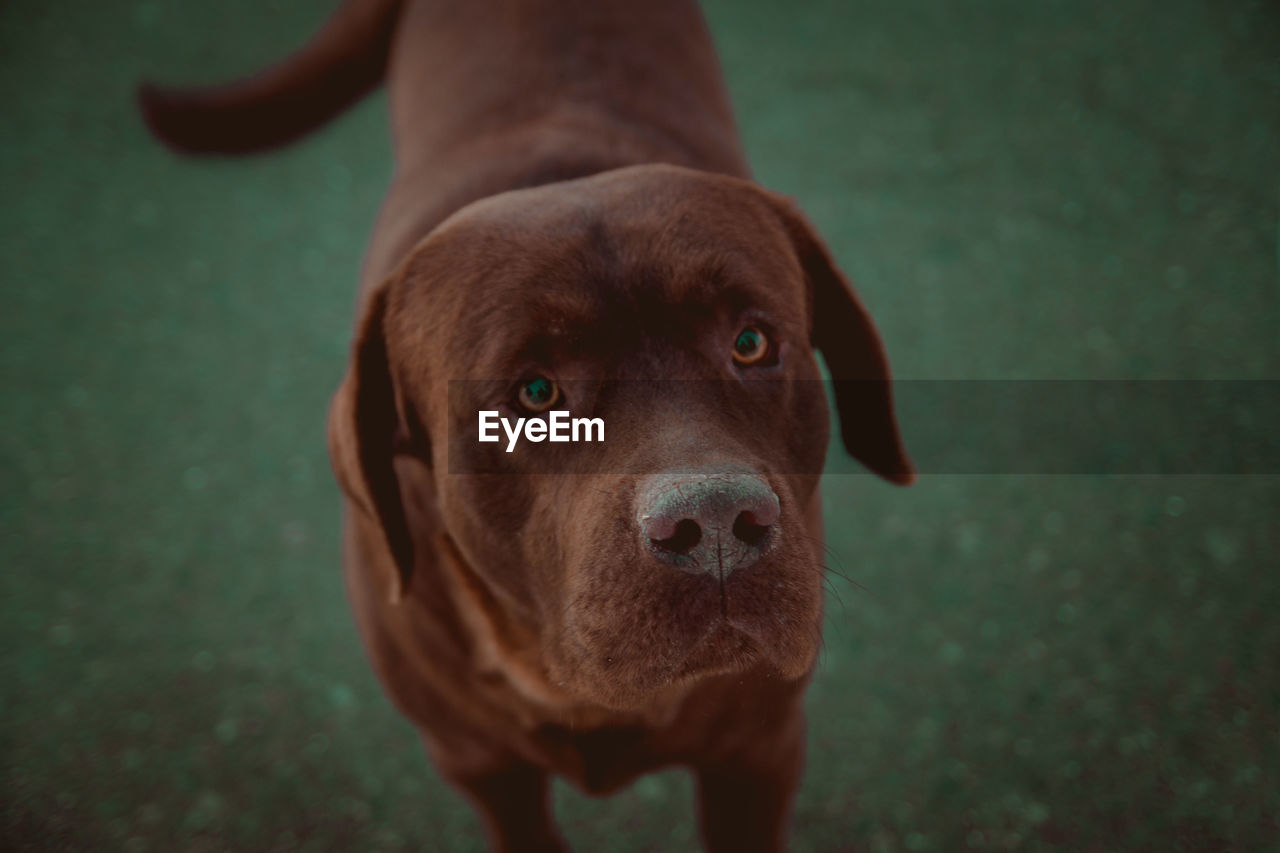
(683, 310)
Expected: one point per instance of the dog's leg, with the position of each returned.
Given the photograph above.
(745, 806)
(515, 804)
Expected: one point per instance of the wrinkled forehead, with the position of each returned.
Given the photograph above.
(608, 259)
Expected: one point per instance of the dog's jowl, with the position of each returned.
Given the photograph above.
(571, 206)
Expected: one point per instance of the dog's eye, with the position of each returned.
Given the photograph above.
(538, 394)
(751, 346)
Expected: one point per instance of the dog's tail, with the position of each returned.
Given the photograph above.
(342, 63)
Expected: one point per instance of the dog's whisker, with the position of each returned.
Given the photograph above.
(826, 582)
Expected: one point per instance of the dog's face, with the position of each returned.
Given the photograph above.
(682, 310)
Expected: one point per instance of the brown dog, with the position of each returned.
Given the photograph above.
(570, 206)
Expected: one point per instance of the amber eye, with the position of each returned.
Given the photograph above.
(751, 346)
(538, 394)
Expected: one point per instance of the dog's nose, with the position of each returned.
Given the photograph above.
(704, 521)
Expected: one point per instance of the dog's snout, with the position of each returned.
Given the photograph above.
(704, 521)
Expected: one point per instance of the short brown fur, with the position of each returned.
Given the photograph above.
(571, 196)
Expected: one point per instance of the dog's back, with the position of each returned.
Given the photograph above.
(486, 96)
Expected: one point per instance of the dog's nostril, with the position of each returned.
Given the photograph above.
(688, 534)
(746, 529)
(715, 522)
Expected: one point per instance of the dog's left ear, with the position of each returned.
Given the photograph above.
(843, 331)
(364, 422)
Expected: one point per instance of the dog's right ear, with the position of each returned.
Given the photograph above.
(364, 424)
(842, 330)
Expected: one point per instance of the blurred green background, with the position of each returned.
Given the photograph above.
(1020, 190)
